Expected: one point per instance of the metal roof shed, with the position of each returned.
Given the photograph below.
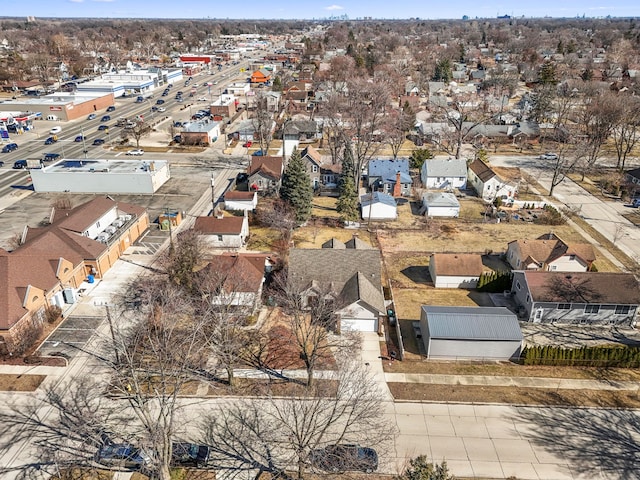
(470, 333)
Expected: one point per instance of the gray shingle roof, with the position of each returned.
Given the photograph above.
(333, 268)
(359, 287)
(377, 197)
(477, 323)
(445, 167)
(387, 169)
(440, 199)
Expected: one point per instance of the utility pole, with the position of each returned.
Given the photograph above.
(213, 194)
(113, 334)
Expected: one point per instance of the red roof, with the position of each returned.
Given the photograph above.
(219, 226)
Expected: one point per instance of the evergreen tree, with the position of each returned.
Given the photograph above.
(443, 71)
(347, 205)
(296, 187)
(421, 469)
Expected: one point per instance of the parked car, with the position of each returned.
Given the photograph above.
(122, 455)
(103, 128)
(79, 138)
(51, 140)
(343, 458)
(9, 147)
(50, 157)
(105, 118)
(548, 156)
(247, 144)
(98, 141)
(202, 99)
(137, 151)
(159, 101)
(91, 116)
(190, 454)
(154, 108)
(162, 109)
(111, 108)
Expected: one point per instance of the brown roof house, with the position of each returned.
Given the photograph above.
(223, 232)
(56, 263)
(549, 252)
(488, 184)
(323, 175)
(586, 298)
(455, 270)
(265, 173)
(237, 279)
(350, 274)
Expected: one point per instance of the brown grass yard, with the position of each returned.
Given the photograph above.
(254, 387)
(515, 396)
(20, 383)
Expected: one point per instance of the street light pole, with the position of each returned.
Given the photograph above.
(213, 194)
(84, 145)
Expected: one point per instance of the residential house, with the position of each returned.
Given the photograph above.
(632, 177)
(488, 184)
(390, 177)
(587, 298)
(302, 130)
(235, 200)
(355, 286)
(440, 204)
(444, 173)
(455, 270)
(55, 263)
(245, 131)
(237, 279)
(550, 253)
(470, 333)
(323, 175)
(223, 232)
(378, 206)
(203, 132)
(265, 173)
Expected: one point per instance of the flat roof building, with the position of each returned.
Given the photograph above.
(102, 176)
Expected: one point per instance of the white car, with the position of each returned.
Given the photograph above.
(55, 130)
(137, 151)
(162, 109)
(548, 156)
(202, 99)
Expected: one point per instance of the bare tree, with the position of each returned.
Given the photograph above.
(397, 124)
(262, 121)
(625, 132)
(137, 132)
(565, 163)
(312, 321)
(277, 435)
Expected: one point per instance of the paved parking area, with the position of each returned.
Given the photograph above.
(71, 336)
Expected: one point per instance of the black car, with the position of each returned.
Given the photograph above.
(1, 163)
(20, 164)
(105, 118)
(9, 147)
(189, 454)
(343, 458)
(98, 141)
(103, 127)
(111, 108)
(49, 157)
(79, 138)
(159, 101)
(122, 455)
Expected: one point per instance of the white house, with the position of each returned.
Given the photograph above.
(444, 173)
(488, 184)
(236, 200)
(378, 206)
(440, 204)
(455, 270)
(225, 232)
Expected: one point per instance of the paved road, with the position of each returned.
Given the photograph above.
(605, 217)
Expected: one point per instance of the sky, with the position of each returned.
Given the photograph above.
(317, 9)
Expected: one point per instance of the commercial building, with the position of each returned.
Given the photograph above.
(64, 105)
(102, 176)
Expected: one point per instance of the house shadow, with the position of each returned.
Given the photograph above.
(23, 187)
(418, 274)
(415, 208)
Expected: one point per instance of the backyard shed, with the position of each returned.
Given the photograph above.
(440, 204)
(470, 333)
(378, 206)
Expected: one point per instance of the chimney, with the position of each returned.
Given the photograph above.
(397, 187)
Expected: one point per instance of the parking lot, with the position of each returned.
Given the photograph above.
(70, 337)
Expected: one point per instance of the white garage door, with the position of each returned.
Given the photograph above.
(359, 325)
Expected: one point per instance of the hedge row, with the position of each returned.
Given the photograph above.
(598, 356)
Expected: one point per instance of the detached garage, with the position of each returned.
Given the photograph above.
(440, 204)
(470, 333)
(455, 270)
(378, 206)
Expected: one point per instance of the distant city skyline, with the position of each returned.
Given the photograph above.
(289, 9)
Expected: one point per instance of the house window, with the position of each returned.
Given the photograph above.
(528, 299)
(518, 286)
(554, 267)
(622, 309)
(564, 306)
(591, 308)
(97, 224)
(314, 168)
(572, 257)
(219, 238)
